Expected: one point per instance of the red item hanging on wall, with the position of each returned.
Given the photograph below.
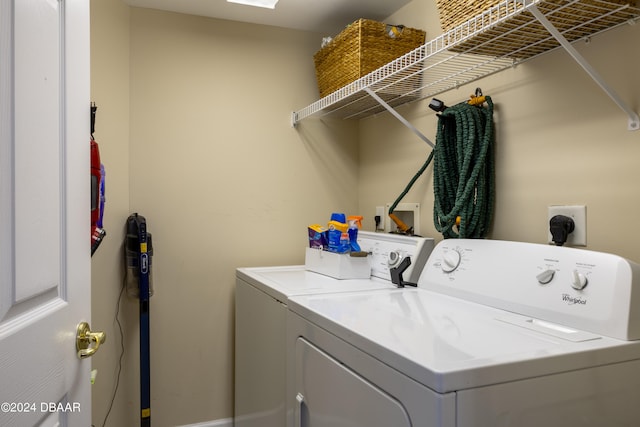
(96, 177)
(97, 232)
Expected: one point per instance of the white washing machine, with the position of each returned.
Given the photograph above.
(497, 334)
(262, 295)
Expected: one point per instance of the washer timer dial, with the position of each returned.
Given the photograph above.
(450, 261)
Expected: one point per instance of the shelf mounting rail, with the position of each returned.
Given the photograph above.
(490, 42)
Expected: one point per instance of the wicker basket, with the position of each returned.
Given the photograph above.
(359, 49)
(456, 12)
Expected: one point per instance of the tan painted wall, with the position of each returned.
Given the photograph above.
(110, 91)
(194, 129)
(560, 140)
(223, 180)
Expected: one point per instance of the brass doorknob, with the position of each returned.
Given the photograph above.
(84, 339)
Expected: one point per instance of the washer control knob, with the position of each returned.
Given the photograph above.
(578, 280)
(395, 258)
(546, 276)
(450, 261)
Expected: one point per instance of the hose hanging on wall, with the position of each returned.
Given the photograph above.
(402, 227)
(464, 170)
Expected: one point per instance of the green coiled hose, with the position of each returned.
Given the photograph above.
(464, 171)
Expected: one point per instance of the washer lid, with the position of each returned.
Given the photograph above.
(450, 344)
(284, 282)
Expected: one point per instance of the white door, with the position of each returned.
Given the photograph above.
(44, 212)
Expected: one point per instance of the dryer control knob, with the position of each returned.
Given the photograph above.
(578, 280)
(545, 277)
(450, 261)
(395, 258)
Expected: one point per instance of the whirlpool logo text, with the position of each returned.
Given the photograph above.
(570, 300)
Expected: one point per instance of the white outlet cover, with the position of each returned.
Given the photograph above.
(579, 215)
(414, 208)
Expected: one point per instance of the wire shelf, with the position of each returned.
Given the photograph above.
(502, 37)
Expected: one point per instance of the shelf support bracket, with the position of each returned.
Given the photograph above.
(634, 120)
(397, 115)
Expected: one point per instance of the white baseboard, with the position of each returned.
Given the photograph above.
(226, 422)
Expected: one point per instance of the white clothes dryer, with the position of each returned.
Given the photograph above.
(497, 334)
(262, 295)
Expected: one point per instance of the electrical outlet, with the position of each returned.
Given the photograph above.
(579, 216)
(380, 213)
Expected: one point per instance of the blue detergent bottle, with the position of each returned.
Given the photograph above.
(355, 222)
(336, 230)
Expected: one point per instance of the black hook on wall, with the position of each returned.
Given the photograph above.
(94, 109)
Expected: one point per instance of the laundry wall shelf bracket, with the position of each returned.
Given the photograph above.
(634, 120)
(507, 34)
(399, 117)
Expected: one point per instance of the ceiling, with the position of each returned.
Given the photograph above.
(328, 17)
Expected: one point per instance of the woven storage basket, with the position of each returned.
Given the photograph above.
(359, 49)
(456, 12)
